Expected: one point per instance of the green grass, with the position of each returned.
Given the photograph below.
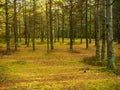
(58, 70)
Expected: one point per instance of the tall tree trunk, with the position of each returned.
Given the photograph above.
(86, 26)
(71, 25)
(81, 29)
(19, 29)
(111, 58)
(47, 29)
(25, 20)
(7, 28)
(95, 25)
(51, 28)
(15, 26)
(98, 34)
(63, 22)
(30, 28)
(33, 37)
(103, 32)
(58, 26)
(90, 32)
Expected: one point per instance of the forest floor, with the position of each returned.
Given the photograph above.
(58, 70)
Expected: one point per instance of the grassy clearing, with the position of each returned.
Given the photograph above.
(59, 70)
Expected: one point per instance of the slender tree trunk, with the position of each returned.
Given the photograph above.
(63, 16)
(71, 25)
(19, 29)
(111, 58)
(86, 26)
(28, 39)
(33, 37)
(25, 21)
(51, 28)
(47, 29)
(7, 28)
(90, 25)
(81, 22)
(15, 26)
(98, 34)
(103, 32)
(58, 28)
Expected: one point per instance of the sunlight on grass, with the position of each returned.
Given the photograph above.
(58, 70)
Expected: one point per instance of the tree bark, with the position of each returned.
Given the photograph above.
(7, 28)
(51, 28)
(33, 37)
(71, 25)
(86, 22)
(63, 21)
(111, 57)
(98, 33)
(47, 29)
(15, 26)
(103, 32)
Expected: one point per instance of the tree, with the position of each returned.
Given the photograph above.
(7, 28)
(71, 25)
(63, 22)
(15, 26)
(25, 20)
(47, 29)
(86, 22)
(33, 36)
(109, 27)
(51, 31)
(103, 32)
(97, 32)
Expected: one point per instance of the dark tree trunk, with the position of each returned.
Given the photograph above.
(103, 33)
(33, 37)
(90, 32)
(47, 29)
(7, 28)
(63, 22)
(15, 26)
(86, 22)
(71, 25)
(25, 21)
(51, 28)
(98, 33)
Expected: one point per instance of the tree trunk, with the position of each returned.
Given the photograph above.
(51, 28)
(7, 28)
(90, 32)
(15, 26)
(33, 37)
(86, 22)
(81, 29)
(63, 21)
(47, 29)
(103, 32)
(71, 25)
(111, 58)
(25, 21)
(97, 34)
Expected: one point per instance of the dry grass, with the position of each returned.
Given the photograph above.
(58, 70)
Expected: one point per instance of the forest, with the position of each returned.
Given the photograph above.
(59, 44)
